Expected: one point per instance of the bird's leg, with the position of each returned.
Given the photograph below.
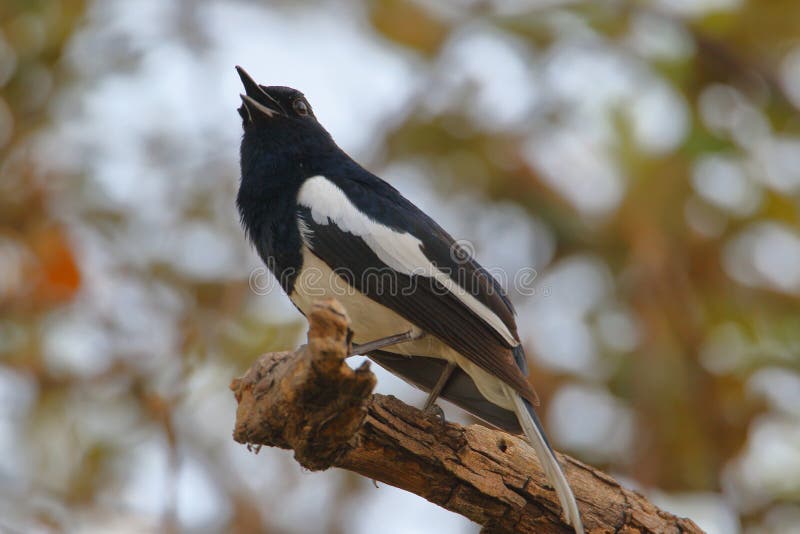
(430, 407)
(377, 344)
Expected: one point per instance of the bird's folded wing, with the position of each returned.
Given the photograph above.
(389, 250)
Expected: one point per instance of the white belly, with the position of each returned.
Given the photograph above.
(371, 320)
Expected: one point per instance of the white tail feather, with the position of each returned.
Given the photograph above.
(548, 460)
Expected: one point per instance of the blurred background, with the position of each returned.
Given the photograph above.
(642, 157)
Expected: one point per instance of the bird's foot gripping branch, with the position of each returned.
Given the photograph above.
(312, 402)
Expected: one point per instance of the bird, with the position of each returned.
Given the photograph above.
(420, 305)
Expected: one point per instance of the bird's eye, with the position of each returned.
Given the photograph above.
(300, 107)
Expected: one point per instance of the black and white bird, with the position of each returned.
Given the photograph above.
(419, 305)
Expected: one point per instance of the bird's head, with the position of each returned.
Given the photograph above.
(279, 120)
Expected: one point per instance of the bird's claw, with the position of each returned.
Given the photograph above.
(436, 411)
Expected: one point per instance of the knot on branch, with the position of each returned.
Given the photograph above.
(310, 401)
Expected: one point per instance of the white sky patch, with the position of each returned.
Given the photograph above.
(590, 84)
(776, 162)
(188, 251)
(790, 76)
(145, 490)
(711, 511)
(17, 395)
(497, 67)
(722, 181)
(617, 330)
(780, 387)
(554, 321)
(581, 171)
(593, 82)
(728, 113)
(765, 254)
(723, 351)
(769, 467)
(659, 38)
(74, 345)
(588, 74)
(659, 117)
(199, 502)
(696, 8)
(389, 502)
(776, 255)
(590, 420)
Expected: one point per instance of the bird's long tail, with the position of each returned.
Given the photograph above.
(535, 433)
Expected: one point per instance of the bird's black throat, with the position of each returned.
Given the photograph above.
(275, 161)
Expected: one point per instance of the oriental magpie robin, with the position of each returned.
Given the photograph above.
(420, 306)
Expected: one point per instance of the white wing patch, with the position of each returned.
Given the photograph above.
(398, 250)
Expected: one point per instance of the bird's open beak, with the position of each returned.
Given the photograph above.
(256, 102)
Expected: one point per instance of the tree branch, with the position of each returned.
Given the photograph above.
(312, 402)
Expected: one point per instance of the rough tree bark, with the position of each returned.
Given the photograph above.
(312, 402)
